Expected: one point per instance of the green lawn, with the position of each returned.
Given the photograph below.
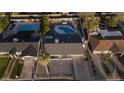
(16, 70)
(3, 65)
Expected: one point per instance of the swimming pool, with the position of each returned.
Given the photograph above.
(28, 27)
(64, 29)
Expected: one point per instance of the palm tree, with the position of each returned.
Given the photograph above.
(44, 59)
(44, 28)
(42, 55)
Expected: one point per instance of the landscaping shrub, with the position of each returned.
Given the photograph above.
(112, 22)
(3, 65)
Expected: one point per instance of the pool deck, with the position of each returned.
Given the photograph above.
(65, 38)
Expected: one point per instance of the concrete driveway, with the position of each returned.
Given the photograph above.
(27, 68)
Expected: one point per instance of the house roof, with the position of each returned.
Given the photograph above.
(110, 45)
(104, 45)
(57, 68)
(19, 46)
(30, 48)
(30, 51)
(65, 49)
(94, 42)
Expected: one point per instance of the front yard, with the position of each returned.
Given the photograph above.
(16, 70)
(4, 60)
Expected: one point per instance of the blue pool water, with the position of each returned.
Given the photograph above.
(67, 29)
(28, 27)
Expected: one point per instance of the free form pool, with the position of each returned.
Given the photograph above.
(64, 29)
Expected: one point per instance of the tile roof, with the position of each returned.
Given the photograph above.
(19, 46)
(52, 48)
(65, 49)
(94, 42)
(110, 45)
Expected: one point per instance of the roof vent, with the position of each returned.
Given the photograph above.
(56, 40)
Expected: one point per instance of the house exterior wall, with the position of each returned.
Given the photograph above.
(101, 52)
(2, 53)
(70, 55)
(29, 58)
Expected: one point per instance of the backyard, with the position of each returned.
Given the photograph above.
(4, 60)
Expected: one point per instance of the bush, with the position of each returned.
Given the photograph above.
(106, 57)
(112, 22)
(3, 65)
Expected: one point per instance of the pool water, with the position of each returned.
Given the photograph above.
(28, 27)
(64, 29)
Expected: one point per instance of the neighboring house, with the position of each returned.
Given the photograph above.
(19, 48)
(107, 46)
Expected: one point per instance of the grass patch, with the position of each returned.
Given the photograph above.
(16, 70)
(3, 65)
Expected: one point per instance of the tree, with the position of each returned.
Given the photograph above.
(90, 24)
(3, 23)
(112, 22)
(43, 56)
(44, 59)
(106, 57)
(44, 26)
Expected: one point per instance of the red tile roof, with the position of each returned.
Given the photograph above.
(107, 45)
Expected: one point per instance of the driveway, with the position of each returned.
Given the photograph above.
(27, 68)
